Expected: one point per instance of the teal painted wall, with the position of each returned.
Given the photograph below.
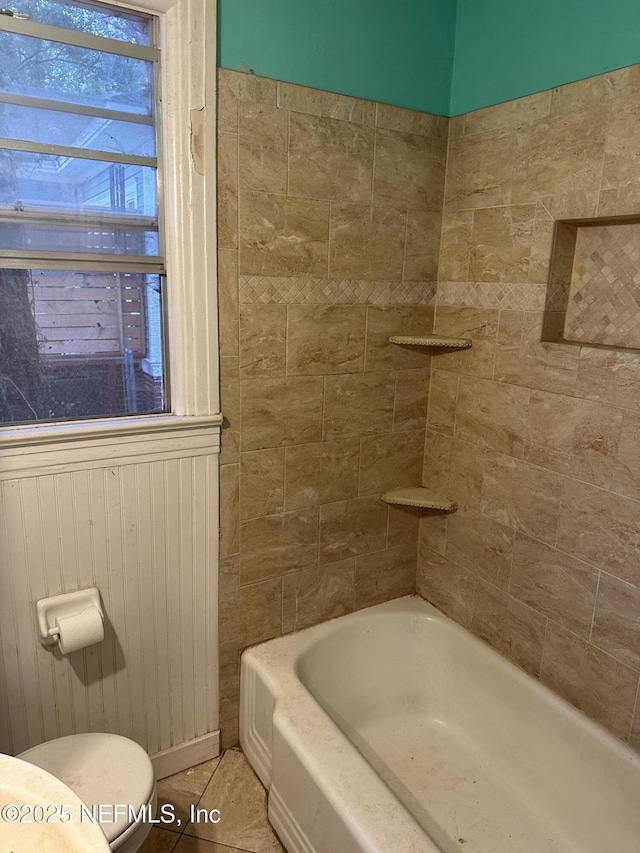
(397, 53)
(509, 48)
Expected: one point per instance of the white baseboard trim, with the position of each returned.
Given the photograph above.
(186, 755)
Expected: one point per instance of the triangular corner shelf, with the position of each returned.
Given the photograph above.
(419, 497)
(431, 341)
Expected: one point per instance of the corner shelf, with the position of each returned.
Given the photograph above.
(419, 497)
(431, 341)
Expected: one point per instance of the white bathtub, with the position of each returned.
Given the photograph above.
(394, 730)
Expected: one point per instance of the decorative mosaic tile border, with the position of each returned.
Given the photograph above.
(474, 294)
(323, 291)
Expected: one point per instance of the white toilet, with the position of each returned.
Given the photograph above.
(104, 770)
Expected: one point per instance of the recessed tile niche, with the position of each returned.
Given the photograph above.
(593, 296)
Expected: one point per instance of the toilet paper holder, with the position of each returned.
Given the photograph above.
(62, 607)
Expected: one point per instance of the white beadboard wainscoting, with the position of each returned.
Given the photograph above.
(136, 516)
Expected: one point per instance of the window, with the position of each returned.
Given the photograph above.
(81, 247)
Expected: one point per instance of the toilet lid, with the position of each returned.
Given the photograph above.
(103, 770)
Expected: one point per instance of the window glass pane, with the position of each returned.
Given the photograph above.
(79, 345)
(125, 26)
(76, 130)
(62, 72)
(87, 238)
(71, 184)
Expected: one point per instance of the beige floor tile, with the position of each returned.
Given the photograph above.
(237, 793)
(185, 789)
(190, 844)
(160, 841)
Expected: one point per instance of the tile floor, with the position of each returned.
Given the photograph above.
(228, 784)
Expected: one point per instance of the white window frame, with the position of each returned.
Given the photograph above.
(188, 170)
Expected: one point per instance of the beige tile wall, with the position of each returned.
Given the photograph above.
(539, 442)
(329, 223)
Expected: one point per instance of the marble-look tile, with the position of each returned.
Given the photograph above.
(601, 528)
(541, 245)
(273, 545)
(386, 320)
(160, 841)
(226, 103)
(236, 791)
(410, 406)
(619, 201)
(321, 473)
(501, 243)
(626, 476)
(260, 611)
(229, 676)
(228, 308)
(261, 482)
(390, 461)
(479, 324)
(523, 359)
(323, 339)
(558, 154)
(227, 191)
(455, 245)
(411, 121)
(573, 436)
(571, 204)
(521, 496)
(610, 377)
(446, 585)
(404, 525)
(366, 243)
(616, 621)
(317, 594)
(409, 170)
(283, 236)
(184, 789)
(263, 340)
(479, 170)
(316, 102)
(262, 148)
(443, 399)
(554, 584)
(453, 468)
(330, 159)
(385, 575)
(509, 114)
(229, 512)
(509, 626)
(229, 599)
(492, 414)
(597, 684)
(230, 732)
(358, 404)
(596, 91)
(279, 412)
(433, 531)
(456, 126)
(621, 157)
(353, 527)
(230, 403)
(422, 246)
(248, 87)
(481, 545)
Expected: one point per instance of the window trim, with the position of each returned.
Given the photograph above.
(188, 173)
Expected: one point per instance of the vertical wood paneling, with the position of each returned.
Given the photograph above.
(174, 620)
(187, 596)
(145, 534)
